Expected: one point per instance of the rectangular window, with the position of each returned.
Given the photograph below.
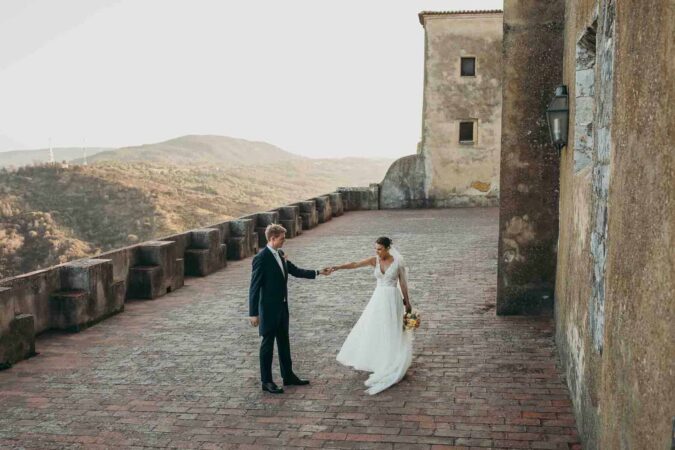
(466, 132)
(468, 67)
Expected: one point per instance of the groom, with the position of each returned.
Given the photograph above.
(268, 306)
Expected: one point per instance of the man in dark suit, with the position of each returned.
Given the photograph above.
(268, 306)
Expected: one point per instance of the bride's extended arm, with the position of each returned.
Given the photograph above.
(404, 289)
(356, 265)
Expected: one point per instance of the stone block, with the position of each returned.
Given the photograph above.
(262, 240)
(143, 278)
(197, 262)
(205, 238)
(291, 227)
(289, 212)
(206, 254)
(223, 255)
(323, 209)
(119, 294)
(243, 228)
(289, 217)
(336, 204)
(224, 228)
(17, 342)
(68, 309)
(155, 253)
(31, 292)
(267, 218)
(237, 248)
(86, 274)
(361, 198)
(255, 243)
(146, 282)
(179, 279)
(6, 309)
(309, 214)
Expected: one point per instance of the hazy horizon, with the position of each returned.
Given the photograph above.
(342, 81)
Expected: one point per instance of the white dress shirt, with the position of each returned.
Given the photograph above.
(275, 252)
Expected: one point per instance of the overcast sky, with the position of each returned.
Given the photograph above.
(315, 77)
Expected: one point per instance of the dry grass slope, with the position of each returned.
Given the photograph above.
(51, 214)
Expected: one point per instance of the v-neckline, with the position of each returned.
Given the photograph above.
(379, 261)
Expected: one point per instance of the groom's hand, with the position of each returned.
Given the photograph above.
(325, 271)
(254, 321)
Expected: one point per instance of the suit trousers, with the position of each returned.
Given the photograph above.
(267, 353)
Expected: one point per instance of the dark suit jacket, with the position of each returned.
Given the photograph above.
(268, 294)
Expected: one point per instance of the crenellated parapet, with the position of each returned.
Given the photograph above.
(75, 295)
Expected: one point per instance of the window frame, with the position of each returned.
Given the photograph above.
(461, 66)
(474, 131)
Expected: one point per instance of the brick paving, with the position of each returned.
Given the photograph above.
(182, 371)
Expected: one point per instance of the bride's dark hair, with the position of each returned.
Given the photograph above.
(384, 241)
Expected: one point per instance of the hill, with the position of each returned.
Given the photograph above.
(194, 150)
(50, 214)
(18, 158)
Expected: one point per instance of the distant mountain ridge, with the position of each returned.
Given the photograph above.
(18, 158)
(199, 150)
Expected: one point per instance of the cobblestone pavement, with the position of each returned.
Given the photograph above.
(182, 371)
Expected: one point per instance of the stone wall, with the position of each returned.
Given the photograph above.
(614, 286)
(528, 224)
(78, 294)
(447, 171)
(359, 198)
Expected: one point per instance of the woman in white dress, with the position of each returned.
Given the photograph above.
(378, 343)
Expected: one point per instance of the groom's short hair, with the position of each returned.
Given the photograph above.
(274, 230)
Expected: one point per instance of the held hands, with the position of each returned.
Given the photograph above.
(326, 271)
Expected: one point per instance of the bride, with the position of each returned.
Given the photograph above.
(377, 343)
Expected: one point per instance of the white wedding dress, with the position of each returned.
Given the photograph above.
(378, 343)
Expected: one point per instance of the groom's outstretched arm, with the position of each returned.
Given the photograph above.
(256, 286)
(298, 272)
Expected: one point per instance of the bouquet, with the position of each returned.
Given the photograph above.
(411, 320)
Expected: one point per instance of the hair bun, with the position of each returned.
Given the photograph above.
(384, 241)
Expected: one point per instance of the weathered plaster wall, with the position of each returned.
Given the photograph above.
(453, 168)
(614, 291)
(446, 173)
(533, 50)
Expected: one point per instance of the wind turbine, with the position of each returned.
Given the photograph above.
(84, 152)
(51, 152)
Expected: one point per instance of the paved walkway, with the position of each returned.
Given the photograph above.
(182, 371)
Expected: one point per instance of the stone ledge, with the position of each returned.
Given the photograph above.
(18, 342)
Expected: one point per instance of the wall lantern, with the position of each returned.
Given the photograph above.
(557, 116)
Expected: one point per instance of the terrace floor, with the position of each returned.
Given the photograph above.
(182, 371)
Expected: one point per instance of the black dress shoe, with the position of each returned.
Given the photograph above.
(272, 388)
(295, 381)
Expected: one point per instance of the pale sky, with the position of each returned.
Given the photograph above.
(318, 78)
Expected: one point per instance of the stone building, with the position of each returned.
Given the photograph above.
(457, 163)
(589, 231)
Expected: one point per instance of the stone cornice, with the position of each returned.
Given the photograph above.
(480, 12)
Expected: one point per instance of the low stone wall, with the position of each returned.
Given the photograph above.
(360, 198)
(78, 294)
